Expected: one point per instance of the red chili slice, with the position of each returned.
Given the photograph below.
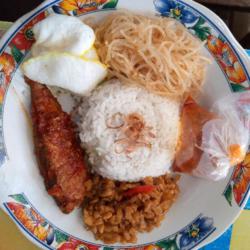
(145, 189)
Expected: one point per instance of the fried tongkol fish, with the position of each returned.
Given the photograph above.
(58, 151)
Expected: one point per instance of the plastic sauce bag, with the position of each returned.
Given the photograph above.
(212, 142)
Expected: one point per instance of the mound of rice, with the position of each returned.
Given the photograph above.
(160, 113)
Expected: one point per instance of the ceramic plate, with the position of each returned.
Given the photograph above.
(204, 209)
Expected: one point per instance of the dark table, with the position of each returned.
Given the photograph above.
(11, 10)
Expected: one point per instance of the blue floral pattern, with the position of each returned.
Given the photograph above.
(196, 232)
(175, 10)
(190, 19)
(190, 236)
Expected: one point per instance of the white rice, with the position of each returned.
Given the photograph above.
(159, 112)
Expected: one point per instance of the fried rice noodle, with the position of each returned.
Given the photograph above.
(157, 53)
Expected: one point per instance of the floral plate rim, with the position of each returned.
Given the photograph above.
(199, 8)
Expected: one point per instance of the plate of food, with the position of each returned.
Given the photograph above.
(123, 125)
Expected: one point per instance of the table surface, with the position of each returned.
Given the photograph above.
(235, 238)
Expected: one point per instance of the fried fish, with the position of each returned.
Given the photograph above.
(59, 155)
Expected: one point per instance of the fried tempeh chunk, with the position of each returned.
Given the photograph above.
(58, 151)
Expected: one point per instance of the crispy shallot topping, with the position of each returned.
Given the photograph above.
(134, 130)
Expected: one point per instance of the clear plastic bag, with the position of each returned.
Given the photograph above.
(222, 140)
